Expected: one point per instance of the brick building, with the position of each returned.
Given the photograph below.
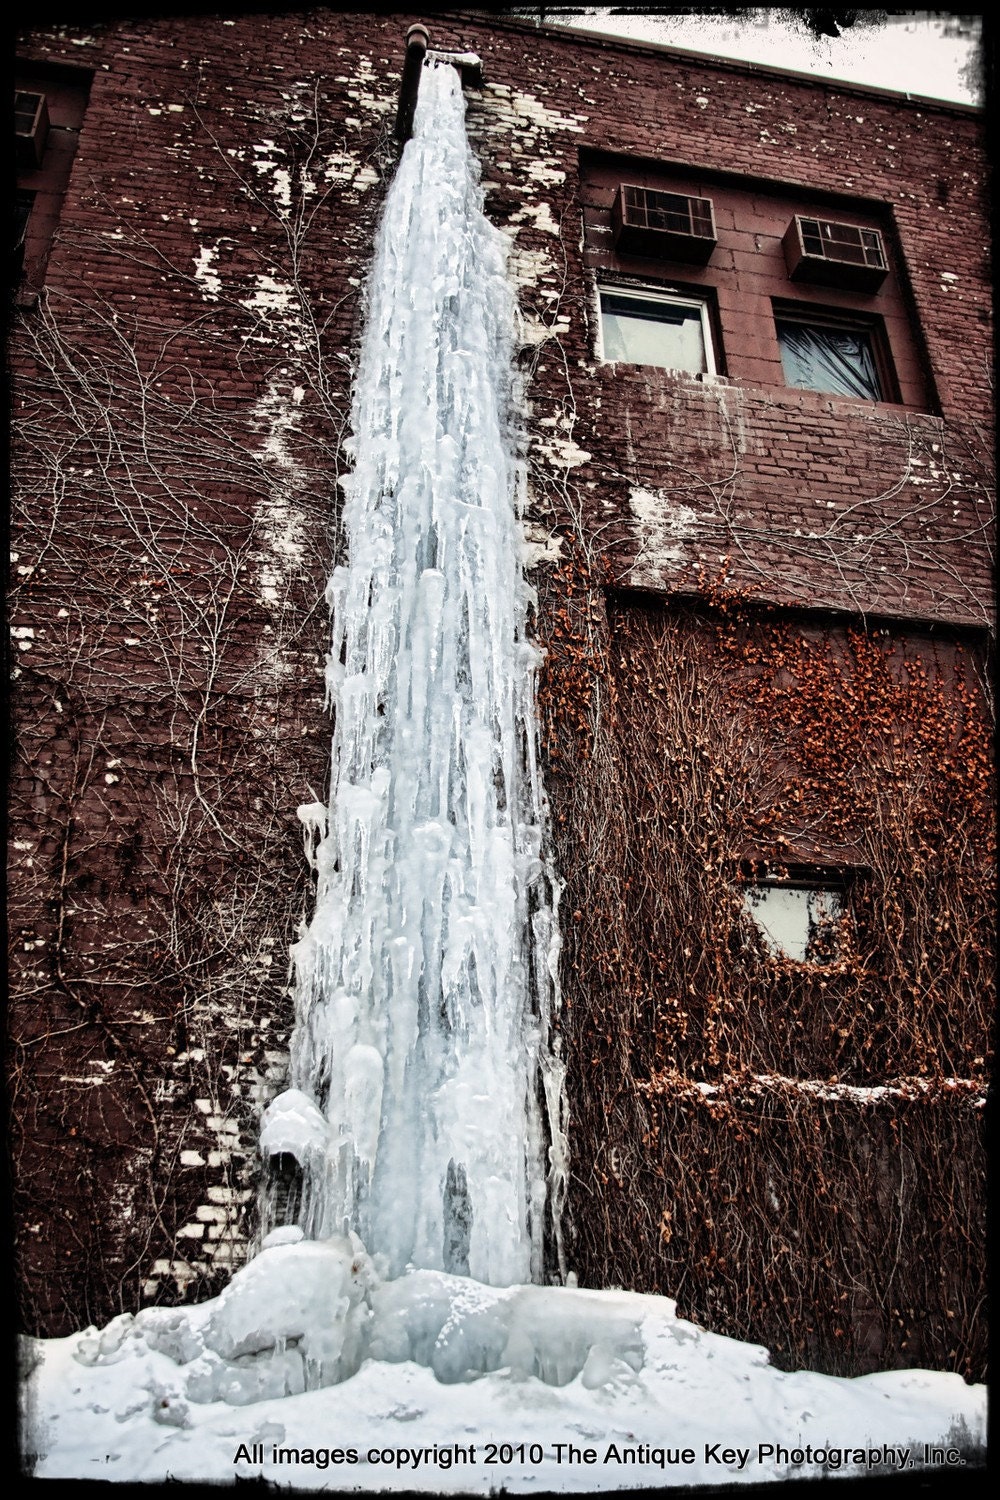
(756, 328)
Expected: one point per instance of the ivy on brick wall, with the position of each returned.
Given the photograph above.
(752, 1133)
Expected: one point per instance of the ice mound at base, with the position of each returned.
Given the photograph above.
(461, 1329)
(304, 1315)
(312, 1352)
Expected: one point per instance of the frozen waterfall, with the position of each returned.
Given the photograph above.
(424, 1100)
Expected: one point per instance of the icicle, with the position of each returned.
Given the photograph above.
(423, 983)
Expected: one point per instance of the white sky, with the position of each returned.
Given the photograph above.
(918, 54)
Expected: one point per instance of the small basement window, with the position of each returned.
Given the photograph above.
(837, 355)
(31, 128)
(647, 327)
(797, 921)
(23, 203)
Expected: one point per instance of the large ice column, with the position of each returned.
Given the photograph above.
(423, 980)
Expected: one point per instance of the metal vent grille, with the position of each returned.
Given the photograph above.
(667, 226)
(835, 254)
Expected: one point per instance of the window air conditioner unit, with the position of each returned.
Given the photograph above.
(663, 226)
(31, 127)
(830, 254)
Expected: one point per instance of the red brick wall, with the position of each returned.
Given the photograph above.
(747, 271)
(181, 392)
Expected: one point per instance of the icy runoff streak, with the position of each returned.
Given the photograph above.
(423, 983)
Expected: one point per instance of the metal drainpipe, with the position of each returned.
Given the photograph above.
(417, 51)
(417, 41)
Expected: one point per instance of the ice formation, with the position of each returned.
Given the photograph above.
(303, 1316)
(314, 1373)
(422, 1041)
(422, 1044)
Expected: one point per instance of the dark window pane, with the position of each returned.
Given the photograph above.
(838, 360)
(25, 111)
(23, 203)
(812, 239)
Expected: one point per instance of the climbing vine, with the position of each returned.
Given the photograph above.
(175, 495)
(754, 1133)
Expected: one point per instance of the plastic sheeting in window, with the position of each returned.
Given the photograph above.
(837, 360)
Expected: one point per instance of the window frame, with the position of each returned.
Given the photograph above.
(847, 320)
(831, 884)
(697, 298)
(31, 143)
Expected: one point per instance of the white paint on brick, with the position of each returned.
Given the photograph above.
(528, 267)
(269, 296)
(280, 520)
(561, 453)
(661, 526)
(539, 545)
(519, 110)
(205, 273)
(540, 214)
(229, 1195)
(534, 331)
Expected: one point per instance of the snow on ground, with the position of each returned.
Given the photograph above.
(314, 1372)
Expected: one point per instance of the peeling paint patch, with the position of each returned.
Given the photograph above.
(540, 213)
(662, 526)
(280, 522)
(281, 187)
(562, 453)
(652, 508)
(270, 296)
(549, 176)
(528, 108)
(204, 272)
(534, 331)
(528, 267)
(340, 167)
(539, 545)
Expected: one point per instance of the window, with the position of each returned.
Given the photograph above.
(641, 326)
(843, 356)
(31, 128)
(797, 921)
(675, 246)
(23, 204)
(50, 101)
